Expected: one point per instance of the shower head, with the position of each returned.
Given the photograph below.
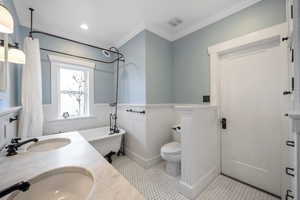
(106, 53)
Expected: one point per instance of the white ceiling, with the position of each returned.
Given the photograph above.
(113, 22)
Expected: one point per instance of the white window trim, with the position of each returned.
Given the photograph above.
(66, 60)
(55, 62)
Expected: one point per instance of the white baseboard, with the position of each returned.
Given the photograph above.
(144, 162)
(192, 191)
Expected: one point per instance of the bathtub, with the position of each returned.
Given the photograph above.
(102, 141)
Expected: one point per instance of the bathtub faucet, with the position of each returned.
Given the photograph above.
(112, 124)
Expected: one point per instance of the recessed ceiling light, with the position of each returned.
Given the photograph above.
(84, 26)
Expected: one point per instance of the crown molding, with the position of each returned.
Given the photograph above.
(214, 18)
(159, 31)
(188, 30)
(139, 28)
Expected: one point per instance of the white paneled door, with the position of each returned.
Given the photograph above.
(252, 101)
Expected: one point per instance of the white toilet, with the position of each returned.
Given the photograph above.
(171, 153)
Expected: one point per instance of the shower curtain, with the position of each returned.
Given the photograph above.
(31, 116)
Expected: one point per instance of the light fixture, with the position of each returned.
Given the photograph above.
(84, 26)
(6, 21)
(15, 55)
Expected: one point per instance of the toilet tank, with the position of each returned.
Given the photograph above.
(176, 133)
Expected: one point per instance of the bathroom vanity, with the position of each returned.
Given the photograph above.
(69, 161)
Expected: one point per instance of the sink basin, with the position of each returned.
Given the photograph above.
(48, 145)
(68, 183)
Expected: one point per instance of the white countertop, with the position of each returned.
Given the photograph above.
(109, 183)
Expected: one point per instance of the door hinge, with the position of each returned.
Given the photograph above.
(293, 55)
(290, 171)
(290, 143)
(289, 195)
(284, 39)
(293, 83)
(287, 92)
(292, 11)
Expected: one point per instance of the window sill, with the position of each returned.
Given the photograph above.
(73, 118)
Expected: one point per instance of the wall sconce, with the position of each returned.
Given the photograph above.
(6, 21)
(15, 55)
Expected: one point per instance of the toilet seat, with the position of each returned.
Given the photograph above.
(172, 148)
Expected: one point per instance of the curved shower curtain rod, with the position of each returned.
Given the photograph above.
(120, 55)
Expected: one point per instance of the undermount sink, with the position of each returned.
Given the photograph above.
(68, 183)
(48, 145)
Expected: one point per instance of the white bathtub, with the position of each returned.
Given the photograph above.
(102, 141)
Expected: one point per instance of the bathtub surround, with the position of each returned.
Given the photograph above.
(99, 117)
(146, 133)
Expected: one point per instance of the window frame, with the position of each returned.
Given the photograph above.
(57, 63)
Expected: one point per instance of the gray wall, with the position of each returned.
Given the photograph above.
(14, 69)
(104, 73)
(191, 61)
(132, 72)
(158, 69)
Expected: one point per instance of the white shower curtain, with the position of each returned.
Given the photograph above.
(31, 118)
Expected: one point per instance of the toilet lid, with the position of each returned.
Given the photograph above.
(171, 148)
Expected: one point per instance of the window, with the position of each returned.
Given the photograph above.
(72, 87)
(73, 94)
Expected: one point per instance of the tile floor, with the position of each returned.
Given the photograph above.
(155, 184)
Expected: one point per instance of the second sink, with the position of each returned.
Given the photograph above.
(68, 183)
(48, 145)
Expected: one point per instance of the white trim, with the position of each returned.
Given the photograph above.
(144, 162)
(214, 18)
(71, 119)
(67, 60)
(139, 28)
(186, 30)
(160, 32)
(55, 103)
(274, 32)
(192, 191)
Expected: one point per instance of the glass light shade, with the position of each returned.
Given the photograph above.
(6, 21)
(16, 56)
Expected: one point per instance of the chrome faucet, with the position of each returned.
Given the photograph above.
(12, 148)
(21, 186)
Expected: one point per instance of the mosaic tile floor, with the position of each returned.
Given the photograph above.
(155, 184)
